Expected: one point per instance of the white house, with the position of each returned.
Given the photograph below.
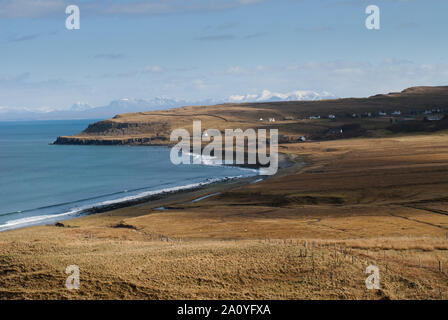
(271, 119)
(382, 113)
(331, 116)
(396, 113)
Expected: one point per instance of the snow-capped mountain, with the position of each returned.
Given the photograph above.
(137, 105)
(268, 96)
(80, 106)
(83, 110)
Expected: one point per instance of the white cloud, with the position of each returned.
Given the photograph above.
(362, 78)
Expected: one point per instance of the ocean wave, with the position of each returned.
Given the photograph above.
(35, 220)
(216, 162)
(24, 211)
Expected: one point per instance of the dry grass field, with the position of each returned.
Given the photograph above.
(307, 233)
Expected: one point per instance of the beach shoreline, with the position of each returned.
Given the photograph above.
(193, 194)
(162, 196)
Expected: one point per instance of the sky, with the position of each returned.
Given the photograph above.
(212, 49)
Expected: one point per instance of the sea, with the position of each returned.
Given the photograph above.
(42, 183)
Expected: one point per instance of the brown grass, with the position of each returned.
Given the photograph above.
(379, 201)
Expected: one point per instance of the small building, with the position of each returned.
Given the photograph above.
(382, 113)
(331, 116)
(396, 113)
(314, 117)
(271, 119)
(261, 119)
(302, 139)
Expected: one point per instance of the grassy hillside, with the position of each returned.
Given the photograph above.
(379, 198)
(307, 233)
(292, 118)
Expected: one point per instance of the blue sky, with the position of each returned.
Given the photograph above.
(198, 49)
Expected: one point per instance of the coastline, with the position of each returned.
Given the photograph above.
(160, 197)
(184, 195)
(249, 236)
(109, 205)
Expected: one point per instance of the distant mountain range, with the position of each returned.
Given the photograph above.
(82, 110)
(268, 96)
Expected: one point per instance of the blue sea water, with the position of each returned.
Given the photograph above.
(42, 183)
